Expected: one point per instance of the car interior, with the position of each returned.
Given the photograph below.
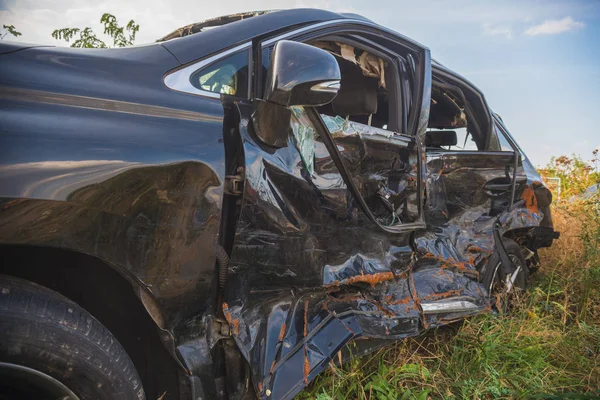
(459, 120)
(359, 114)
(363, 96)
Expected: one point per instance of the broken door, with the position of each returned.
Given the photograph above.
(324, 252)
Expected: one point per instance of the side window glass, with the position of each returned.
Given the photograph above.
(227, 76)
(502, 140)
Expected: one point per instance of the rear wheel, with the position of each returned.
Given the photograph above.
(51, 348)
(505, 291)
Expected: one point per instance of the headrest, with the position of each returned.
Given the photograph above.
(357, 94)
(440, 138)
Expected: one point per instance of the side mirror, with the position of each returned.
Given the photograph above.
(299, 75)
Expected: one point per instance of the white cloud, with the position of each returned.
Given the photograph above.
(554, 26)
(497, 30)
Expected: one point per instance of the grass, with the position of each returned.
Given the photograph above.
(548, 347)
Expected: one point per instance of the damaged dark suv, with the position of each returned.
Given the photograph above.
(222, 214)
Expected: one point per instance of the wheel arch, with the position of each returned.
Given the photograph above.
(119, 302)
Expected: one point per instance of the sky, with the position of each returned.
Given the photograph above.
(537, 62)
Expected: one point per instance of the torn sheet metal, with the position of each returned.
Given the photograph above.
(383, 166)
(309, 274)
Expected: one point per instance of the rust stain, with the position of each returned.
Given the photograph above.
(305, 317)
(413, 290)
(236, 326)
(409, 307)
(227, 313)
(282, 332)
(306, 367)
(345, 299)
(475, 248)
(405, 300)
(444, 295)
(372, 279)
(530, 200)
(452, 264)
(380, 307)
(306, 362)
(471, 259)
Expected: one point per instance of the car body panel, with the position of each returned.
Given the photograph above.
(120, 167)
(99, 155)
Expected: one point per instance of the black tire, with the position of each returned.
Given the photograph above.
(44, 331)
(491, 271)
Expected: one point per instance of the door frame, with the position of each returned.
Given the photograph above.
(421, 95)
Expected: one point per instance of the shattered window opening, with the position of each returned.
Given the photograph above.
(453, 125)
(363, 96)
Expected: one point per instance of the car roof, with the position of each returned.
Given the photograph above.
(193, 41)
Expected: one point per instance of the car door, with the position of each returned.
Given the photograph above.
(474, 177)
(316, 263)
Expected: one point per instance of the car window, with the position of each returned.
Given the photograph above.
(452, 114)
(367, 94)
(503, 142)
(505, 133)
(227, 76)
